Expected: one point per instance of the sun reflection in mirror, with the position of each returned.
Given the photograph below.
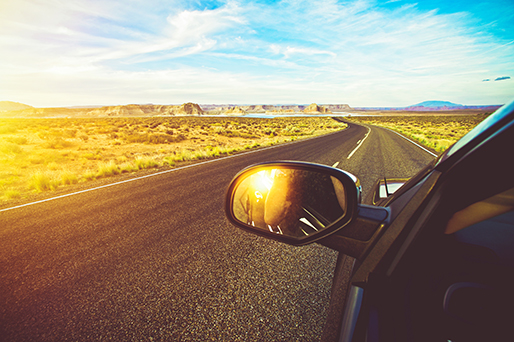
(290, 202)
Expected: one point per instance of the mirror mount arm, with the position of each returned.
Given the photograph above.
(357, 238)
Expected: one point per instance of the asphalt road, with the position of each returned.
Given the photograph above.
(156, 259)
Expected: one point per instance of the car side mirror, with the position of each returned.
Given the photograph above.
(292, 202)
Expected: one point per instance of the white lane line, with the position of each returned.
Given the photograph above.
(335, 165)
(359, 144)
(418, 145)
(158, 173)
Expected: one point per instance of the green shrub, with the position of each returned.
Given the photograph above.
(170, 160)
(42, 182)
(89, 175)
(52, 166)
(153, 138)
(128, 167)
(107, 169)
(145, 163)
(91, 156)
(58, 143)
(68, 178)
(12, 194)
(183, 155)
(70, 133)
(36, 159)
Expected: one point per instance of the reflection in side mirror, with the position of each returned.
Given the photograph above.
(292, 200)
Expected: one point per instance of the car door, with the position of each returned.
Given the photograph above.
(441, 282)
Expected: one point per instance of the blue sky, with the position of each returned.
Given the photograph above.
(363, 53)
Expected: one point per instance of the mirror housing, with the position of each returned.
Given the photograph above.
(292, 202)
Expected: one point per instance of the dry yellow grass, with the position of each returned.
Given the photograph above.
(45, 154)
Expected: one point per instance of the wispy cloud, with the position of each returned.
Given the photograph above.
(358, 52)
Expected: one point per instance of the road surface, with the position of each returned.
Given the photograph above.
(156, 259)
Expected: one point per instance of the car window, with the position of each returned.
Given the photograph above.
(480, 211)
(488, 223)
(496, 233)
(483, 126)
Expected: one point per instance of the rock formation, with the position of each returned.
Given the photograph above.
(337, 107)
(9, 105)
(235, 110)
(188, 109)
(126, 110)
(315, 109)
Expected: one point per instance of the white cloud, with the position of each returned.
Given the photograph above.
(289, 51)
(245, 52)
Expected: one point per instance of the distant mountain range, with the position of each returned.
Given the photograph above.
(436, 104)
(15, 109)
(433, 106)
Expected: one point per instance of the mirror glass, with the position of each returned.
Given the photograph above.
(292, 202)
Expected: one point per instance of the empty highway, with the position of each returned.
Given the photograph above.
(155, 258)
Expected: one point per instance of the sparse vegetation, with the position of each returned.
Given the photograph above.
(434, 131)
(39, 155)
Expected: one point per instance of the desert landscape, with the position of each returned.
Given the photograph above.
(38, 155)
(436, 131)
(44, 149)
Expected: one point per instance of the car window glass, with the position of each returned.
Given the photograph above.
(480, 211)
(496, 233)
(484, 125)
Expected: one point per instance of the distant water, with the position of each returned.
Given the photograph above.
(338, 114)
(292, 115)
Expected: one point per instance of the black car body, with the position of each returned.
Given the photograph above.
(433, 262)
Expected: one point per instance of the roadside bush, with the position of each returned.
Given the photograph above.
(10, 148)
(12, 194)
(70, 133)
(17, 140)
(128, 167)
(36, 159)
(58, 143)
(169, 160)
(145, 163)
(52, 166)
(42, 182)
(68, 178)
(91, 156)
(107, 169)
(153, 138)
(89, 175)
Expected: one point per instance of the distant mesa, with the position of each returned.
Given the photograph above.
(235, 110)
(273, 109)
(19, 110)
(9, 105)
(314, 108)
(148, 110)
(284, 109)
(337, 107)
(189, 109)
(124, 110)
